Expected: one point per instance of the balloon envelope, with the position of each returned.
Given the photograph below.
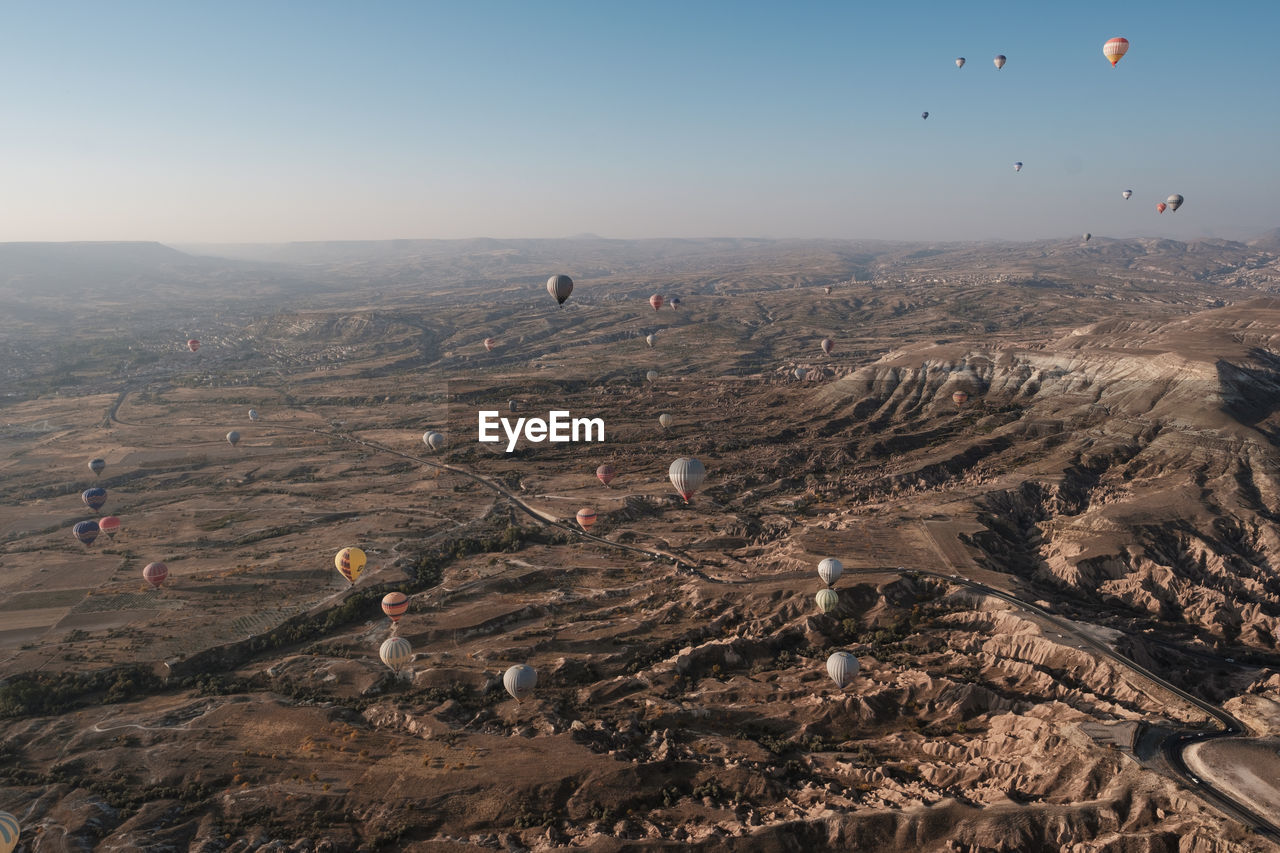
(666, 420)
(86, 531)
(656, 301)
(959, 62)
(1000, 61)
(394, 604)
(109, 525)
(687, 475)
(650, 340)
(1127, 193)
(155, 573)
(97, 465)
(586, 517)
(350, 563)
(652, 376)
(828, 345)
(605, 474)
(233, 437)
(1017, 167)
(253, 414)
(828, 600)
(830, 570)
(520, 681)
(193, 345)
(674, 302)
(395, 652)
(94, 498)
(1160, 207)
(1174, 201)
(924, 114)
(489, 344)
(1114, 49)
(434, 440)
(842, 667)
(960, 397)
(9, 831)
(560, 286)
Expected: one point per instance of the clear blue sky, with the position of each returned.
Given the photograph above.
(269, 121)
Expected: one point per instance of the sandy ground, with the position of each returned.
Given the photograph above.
(1248, 769)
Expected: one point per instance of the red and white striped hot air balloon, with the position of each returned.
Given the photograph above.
(1114, 49)
(193, 345)
(656, 301)
(489, 344)
(155, 573)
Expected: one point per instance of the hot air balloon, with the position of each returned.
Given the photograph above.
(843, 668)
(586, 517)
(960, 397)
(1000, 61)
(828, 345)
(1175, 201)
(94, 498)
(827, 291)
(666, 420)
(674, 302)
(830, 570)
(1086, 236)
(520, 681)
(924, 114)
(652, 376)
(650, 340)
(109, 525)
(350, 563)
(1160, 207)
(253, 414)
(800, 373)
(687, 476)
(97, 466)
(489, 344)
(233, 438)
(828, 600)
(9, 831)
(656, 301)
(560, 286)
(1114, 49)
(86, 531)
(433, 439)
(959, 62)
(1017, 167)
(605, 474)
(1127, 193)
(155, 574)
(512, 405)
(394, 604)
(395, 653)
(193, 345)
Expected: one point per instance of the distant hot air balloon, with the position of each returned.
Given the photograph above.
(651, 340)
(9, 832)
(193, 345)
(1017, 167)
(656, 301)
(97, 466)
(433, 439)
(652, 376)
(924, 114)
(828, 600)
(253, 414)
(1160, 207)
(1175, 201)
(86, 531)
(1114, 49)
(94, 498)
(674, 302)
(350, 563)
(666, 420)
(233, 438)
(155, 574)
(1000, 61)
(830, 570)
(1127, 193)
(560, 286)
(520, 681)
(687, 475)
(843, 668)
(800, 373)
(1086, 236)
(394, 604)
(605, 474)
(959, 62)
(828, 345)
(395, 653)
(960, 397)
(827, 291)
(586, 517)
(513, 405)
(109, 525)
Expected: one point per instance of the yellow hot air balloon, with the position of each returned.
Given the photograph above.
(350, 563)
(9, 831)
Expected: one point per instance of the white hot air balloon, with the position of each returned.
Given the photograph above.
(652, 376)
(395, 653)
(830, 570)
(433, 439)
(520, 681)
(687, 475)
(843, 668)
(828, 600)
(650, 340)
(666, 420)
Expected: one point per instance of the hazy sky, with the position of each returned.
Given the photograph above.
(272, 121)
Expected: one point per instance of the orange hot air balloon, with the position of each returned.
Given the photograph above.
(605, 473)
(1160, 207)
(1114, 49)
(193, 345)
(394, 604)
(960, 398)
(155, 573)
(489, 344)
(586, 517)
(656, 301)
